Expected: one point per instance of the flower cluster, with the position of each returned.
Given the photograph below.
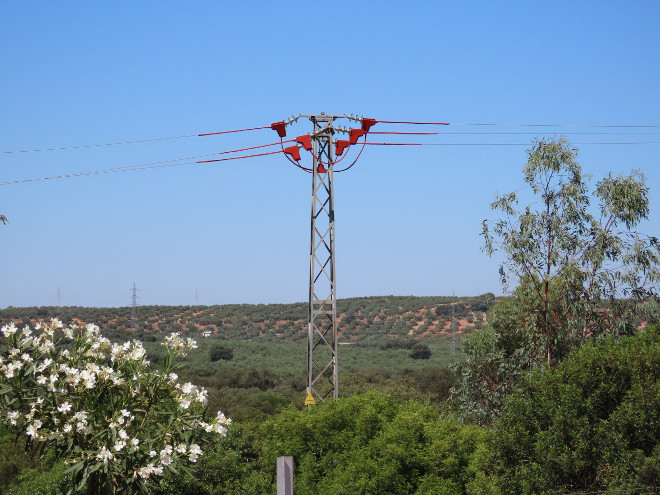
(103, 406)
(178, 346)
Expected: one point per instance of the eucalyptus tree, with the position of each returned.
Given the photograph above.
(578, 263)
(567, 256)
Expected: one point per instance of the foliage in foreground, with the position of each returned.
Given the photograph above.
(367, 444)
(593, 423)
(114, 418)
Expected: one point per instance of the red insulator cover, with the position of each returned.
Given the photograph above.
(294, 152)
(306, 141)
(341, 146)
(355, 134)
(280, 127)
(368, 124)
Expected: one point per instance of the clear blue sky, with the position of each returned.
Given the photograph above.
(407, 219)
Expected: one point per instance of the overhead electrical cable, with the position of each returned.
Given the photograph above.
(508, 144)
(116, 143)
(498, 124)
(130, 168)
(236, 130)
(561, 125)
(243, 149)
(239, 157)
(527, 133)
(415, 123)
(487, 124)
(414, 133)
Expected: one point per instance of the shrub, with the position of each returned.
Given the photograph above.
(593, 423)
(113, 418)
(218, 352)
(420, 351)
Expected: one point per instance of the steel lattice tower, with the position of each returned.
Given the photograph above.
(322, 371)
(322, 374)
(134, 297)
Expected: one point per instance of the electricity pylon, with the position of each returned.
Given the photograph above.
(322, 370)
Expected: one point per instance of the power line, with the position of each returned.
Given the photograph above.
(60, 148)
(606, 126)
(507, 144)
(172, 163)
(453, 124)
(130, 168)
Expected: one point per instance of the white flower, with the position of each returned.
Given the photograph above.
(153, 453)
(9, 330)
(31, 431)
(202, 396)
(104, 455)
(223, 419)
(145, 471)
(12, 416)
(9, 373)
(194, 452)
(65, 407)
(123, 435)
(135, 442)
(166, 455)
(119, 444)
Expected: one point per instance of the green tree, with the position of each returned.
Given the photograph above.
(567, 257)
(420, 351)
(581, 270)
(218, 352)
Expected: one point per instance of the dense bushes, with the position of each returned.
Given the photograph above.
(591, 424)
(370, 444)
